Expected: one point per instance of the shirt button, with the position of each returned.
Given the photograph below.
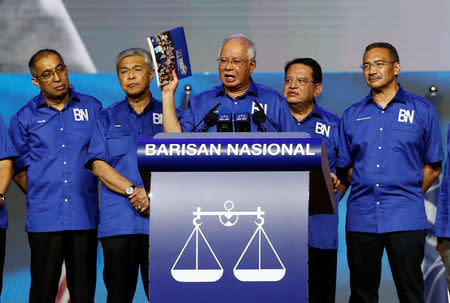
(379, 147)
(66, 200)
(61, 129)
(382, 111)
(377, 185)
(378, 165)
(378, 202)
(64, 162)
(235, 103)
(65, 181)
(381, 128)
(63, 145)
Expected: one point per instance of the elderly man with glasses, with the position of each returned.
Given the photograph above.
(236, 95)
(390, 152)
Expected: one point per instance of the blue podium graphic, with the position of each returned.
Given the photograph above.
(232, 235)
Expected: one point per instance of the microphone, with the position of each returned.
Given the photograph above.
(259, 118)
(210, 119)
(263, 113)
(224, 123)
(242, 123)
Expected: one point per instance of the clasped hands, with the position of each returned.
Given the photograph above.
(140, 201)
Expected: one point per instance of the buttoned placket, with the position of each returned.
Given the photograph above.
(379, 160)
(65, 181)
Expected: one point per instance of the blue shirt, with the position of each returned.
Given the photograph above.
(323, 124)
(52, 145)
(114, 141)
(273, 103)
(442, 223)
(7, 151)
(388, 149)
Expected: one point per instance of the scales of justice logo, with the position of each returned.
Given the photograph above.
(229, 218)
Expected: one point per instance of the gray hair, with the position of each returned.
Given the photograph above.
(251, 50)
(129, 52)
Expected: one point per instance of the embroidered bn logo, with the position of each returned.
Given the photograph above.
(157, 118)
(80, 114)
(405, 116)
(322, 129)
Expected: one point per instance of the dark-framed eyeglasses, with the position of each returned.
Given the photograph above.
(49, 74)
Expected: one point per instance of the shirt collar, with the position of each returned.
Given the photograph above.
(400, 96)
(40, 101)
(150, 106)
(317, 111)
(252, 90)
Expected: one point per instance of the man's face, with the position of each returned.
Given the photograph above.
(235, 74)
(134, 76)
(299, 86)
(51, 77)
(381, 71)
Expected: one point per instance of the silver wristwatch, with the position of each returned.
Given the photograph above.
(130, 190)
(2, 197)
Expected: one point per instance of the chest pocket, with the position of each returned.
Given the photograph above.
(118, 139)
(405, 136)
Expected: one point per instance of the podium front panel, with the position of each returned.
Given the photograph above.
(228, 237)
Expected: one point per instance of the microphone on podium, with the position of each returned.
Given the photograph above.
(209, 120)
(224, 123)
(259, 117)
(242, 123)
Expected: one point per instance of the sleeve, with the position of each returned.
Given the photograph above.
(433, 139)
(98, 147)
(19, 136)
(344, 156)
(441, 226)
(187, 119)
(7, 149)
(331, 145)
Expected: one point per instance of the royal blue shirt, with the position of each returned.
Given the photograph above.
(323, 124)
(114, 141)
(52, 145)
(442, 223)
(273, 103)
(388, 149)
(7, 151)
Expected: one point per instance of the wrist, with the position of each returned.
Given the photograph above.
(130, 190)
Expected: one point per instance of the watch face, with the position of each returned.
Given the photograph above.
(129, 190)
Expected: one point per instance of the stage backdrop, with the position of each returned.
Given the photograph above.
(340, 91)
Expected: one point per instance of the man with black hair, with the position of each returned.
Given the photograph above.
(390, 152)
(302, 85)
(51, 134)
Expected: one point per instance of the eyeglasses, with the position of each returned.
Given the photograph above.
(299, 81)
(223, 61)
(49, 74)
(376, 65)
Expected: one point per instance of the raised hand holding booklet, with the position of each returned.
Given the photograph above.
(169, 52)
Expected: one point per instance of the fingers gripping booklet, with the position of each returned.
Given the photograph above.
(169, 52)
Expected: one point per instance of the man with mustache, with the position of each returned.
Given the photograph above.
(302, 85)
(390, 152)
(51, 134)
